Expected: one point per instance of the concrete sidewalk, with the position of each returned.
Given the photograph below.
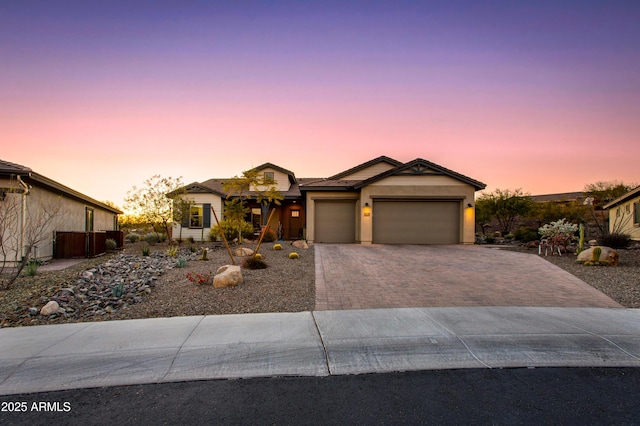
(57, 357)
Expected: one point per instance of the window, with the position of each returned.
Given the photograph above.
(195, 217)
(636, 213)
(295, 213)
(269, 177)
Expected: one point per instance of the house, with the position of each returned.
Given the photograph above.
(380, 201)
(36, 211)
(624, 214)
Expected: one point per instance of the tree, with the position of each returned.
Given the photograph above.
(24, 226)
(181, 209)
(505, 206)
(154, 202)
(599, 194)
(250, 185)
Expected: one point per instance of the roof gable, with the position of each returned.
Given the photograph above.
(635, 192)
(363, 166)
(421, 167)
(289, 173)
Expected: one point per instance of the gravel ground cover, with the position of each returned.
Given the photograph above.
(285, 286)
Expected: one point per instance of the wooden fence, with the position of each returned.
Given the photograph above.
(84, 244)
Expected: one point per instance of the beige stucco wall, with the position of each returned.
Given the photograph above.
(621, 219)
(326, 195)
(200, 234)
(427, 186)
(282, 180)
(47, 212)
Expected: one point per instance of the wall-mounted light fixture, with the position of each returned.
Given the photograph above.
(366, 210)
(469, 205)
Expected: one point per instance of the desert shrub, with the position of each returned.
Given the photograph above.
(162, 237)
(172, 251)
(152, 238)
(201, 279)
(294, 255)
(253, 263)
(525, 235)
(146, 251)
(133, 237)
(191, 240)
(230, 230)
(31, 268)
(110, 244)
(489, 240)
(614, 240)
(277, 246)
(269, 235)
(181, 262)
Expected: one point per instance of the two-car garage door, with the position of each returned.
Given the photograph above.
(416, 222)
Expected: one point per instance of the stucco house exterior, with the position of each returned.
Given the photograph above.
(33, 208)
(624, 214)
(380, 201)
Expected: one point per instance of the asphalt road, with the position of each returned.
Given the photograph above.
(472, 396)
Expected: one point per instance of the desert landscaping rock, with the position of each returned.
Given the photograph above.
(243, 251)
(300, 244)
(608, 254)
(227, 276)
(50, 308)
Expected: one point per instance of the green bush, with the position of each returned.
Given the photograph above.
(230, 229)
(133, 237)
(152, 238)
(614, 240)
(110, 244)
(526, 235)
(490, 240)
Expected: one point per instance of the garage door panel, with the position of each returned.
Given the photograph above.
(335, 221)
(416, 222)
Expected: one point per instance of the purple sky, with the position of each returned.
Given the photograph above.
(541, 95)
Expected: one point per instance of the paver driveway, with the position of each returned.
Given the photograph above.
(350, 276)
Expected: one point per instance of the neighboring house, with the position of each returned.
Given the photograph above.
(564, 198)
(624, 214)
(33, 208)
(380, 201)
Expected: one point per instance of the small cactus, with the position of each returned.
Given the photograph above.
(294, 255)
(597, 251)
(145, 251)
(277, 246)
(581, 240)
(257, 256)
(181, 262)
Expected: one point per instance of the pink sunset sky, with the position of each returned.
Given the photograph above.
(541, 95)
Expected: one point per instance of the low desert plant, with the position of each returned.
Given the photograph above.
(277, 246)
(133, 237)
(191, 240)
(31, 268)
(146, 250)
(257, 256)
(117, 290)
(206, 278)
(595, 258)
(152, 238)
(181, 262)
(253, 263)
(294, 255)
(205, 253)
(614, 240)
(110, 244)
(269, 235)
(526, 235)
(172, 251)
(193, 248)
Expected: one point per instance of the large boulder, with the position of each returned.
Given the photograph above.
(300, 244)
(243, 251)
(608, 254)
(50, 308)
(227, 276)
